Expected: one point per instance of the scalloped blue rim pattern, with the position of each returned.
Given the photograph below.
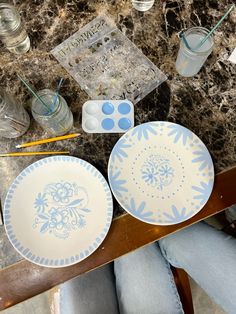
(26, 252)
(143, 132)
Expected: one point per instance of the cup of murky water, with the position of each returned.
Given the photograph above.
(190, 61)
(53, 114)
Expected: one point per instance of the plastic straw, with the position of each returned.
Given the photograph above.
(209, 34)
(181, 35)
(33, 93)
(57, 92)
(215, 27)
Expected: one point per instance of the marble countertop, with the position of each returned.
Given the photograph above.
(205, 103)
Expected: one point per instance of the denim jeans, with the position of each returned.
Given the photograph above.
(230, 213)
(141, 282)
(209, 257)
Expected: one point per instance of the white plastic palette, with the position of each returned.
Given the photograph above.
(107, 116)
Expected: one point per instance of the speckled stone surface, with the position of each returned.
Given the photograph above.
(205, 103)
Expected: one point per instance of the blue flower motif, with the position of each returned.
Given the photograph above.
(139, 211)
(67, 210)
(166, 171)
(177, 216)
(40, 202)
(203, 158)
(54, 219)
(119, 150)
(157, 172)
(62, 192)
(178, 131)
(58, 218)
(142, 130)
(117, 184)
(150, 175)
(204, 191)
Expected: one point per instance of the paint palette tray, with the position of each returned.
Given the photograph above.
(106, 64)
(107, 116)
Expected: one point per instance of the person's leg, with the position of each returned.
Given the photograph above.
(209, 257)
(91, 293)
(145, 284)
(230, 213)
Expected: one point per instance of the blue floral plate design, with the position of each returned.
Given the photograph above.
(58, 211)
(161, 173)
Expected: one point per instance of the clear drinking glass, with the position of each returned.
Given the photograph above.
(189, 62)
(14, 120)
(12, 31)
(56, 116)
(142, 5)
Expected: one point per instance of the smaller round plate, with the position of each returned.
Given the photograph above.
(58, 211)
(161, 173)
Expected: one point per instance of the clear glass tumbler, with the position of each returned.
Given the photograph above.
(14, 120)
(12, 31)
(189, 62)
(142, 5)
(54, 115)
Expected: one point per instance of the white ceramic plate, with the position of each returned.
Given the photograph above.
(161, 173)
(58, 211)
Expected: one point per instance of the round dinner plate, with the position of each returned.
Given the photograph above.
(161, 173)
(58, 211)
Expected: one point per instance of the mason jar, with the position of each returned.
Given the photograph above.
(142, 5)
(12, 30)
(52, 113)
(189, 62)
(14, 120)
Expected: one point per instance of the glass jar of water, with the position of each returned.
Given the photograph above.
(14, 120)
(142, 5)
(51, 112)
(12, 31)
(190, 61)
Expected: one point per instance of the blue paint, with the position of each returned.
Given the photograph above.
(124, 123)
(157, 171)
(124, 108)
(107, 108)
(119, 150)
(178, 215)
(203, 158)
(143, 130)
(140, 211)
(179, 132)
(203, 191)
(117, 184)
(108, 124)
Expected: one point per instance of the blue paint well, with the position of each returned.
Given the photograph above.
(107, 108)
(124, 123)
(124, 108)
(108, 124)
